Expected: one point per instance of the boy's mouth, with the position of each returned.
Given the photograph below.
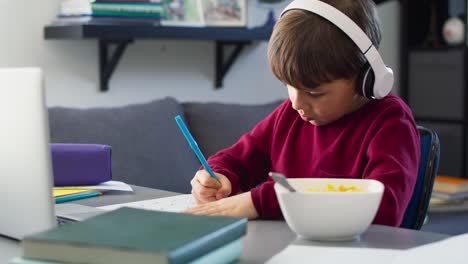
(305, 118)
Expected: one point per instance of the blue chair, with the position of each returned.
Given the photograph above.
(428, 166)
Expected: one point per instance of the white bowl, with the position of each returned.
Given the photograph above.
(329, 215)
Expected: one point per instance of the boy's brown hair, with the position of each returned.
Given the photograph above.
(306, 50)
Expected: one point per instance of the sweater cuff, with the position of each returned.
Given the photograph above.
(265, 201)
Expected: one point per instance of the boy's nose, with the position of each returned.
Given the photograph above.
(298, 103)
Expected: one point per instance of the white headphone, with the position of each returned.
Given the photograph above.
(377, 80)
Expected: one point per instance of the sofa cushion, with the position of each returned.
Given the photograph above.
(218, 125)
(147, 147)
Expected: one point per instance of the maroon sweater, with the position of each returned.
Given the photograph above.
(379, 141)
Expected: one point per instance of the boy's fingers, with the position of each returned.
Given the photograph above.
(207, 181)
(207, 189)
(204, 191)
(225, 189)
(220, 196)
(195, 197)
(200, 199)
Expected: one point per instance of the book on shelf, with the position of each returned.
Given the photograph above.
(127, 9)
(437, 205)
(108, 20)
(74, 8)
(131, 235)
(137, 6)
(123, 15)
(127, 1)
(20, 260)
(450, 185)
(450, 196)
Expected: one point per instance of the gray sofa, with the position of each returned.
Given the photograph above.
(148, 148)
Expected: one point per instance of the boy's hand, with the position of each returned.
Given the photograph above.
(240, 205)
(206, 189)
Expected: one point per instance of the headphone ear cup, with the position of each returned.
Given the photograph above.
(365, 82)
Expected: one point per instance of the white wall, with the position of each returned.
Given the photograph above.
(149, 69)
(389, 14)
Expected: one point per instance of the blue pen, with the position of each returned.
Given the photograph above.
(194, 146)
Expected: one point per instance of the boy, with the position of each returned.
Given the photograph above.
(326, 129)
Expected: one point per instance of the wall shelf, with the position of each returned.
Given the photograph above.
(120, 33)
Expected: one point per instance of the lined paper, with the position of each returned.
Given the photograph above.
(176, 203)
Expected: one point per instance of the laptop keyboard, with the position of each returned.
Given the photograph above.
(61, 221)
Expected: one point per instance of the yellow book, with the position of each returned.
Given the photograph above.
(58, 192)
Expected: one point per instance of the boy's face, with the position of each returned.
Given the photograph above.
(327, 102)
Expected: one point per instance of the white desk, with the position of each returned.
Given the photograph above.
(264, 238)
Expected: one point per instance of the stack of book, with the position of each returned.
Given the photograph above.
(449, 194)
(185, 13)
(62, 195)
(131, 235)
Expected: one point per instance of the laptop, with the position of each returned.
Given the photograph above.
(26, 202)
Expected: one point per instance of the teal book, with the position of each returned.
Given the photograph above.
(76, 196)
(132, 7)
(223, 255)
(128, 14)
(130, 235)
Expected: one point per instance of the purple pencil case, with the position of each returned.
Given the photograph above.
(81, 164)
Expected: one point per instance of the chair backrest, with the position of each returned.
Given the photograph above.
(428, 166)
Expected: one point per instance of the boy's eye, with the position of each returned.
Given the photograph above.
(316, 94)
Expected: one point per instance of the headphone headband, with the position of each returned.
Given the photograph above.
(383, 75)
(336, 17)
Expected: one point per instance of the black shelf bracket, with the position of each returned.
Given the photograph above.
(222, 65)
(108, 61)
(107, 64)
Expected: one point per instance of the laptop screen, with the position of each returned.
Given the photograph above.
(26, 203)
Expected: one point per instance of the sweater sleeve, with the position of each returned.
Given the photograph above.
(394, 153)
(247, 162)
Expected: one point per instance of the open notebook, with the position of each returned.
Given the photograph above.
(176, 203)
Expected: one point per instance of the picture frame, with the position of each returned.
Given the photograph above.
(224, 12)
(187, 13)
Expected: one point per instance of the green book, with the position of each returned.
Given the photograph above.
(223, 255)
(127, 7)
(130, 235)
